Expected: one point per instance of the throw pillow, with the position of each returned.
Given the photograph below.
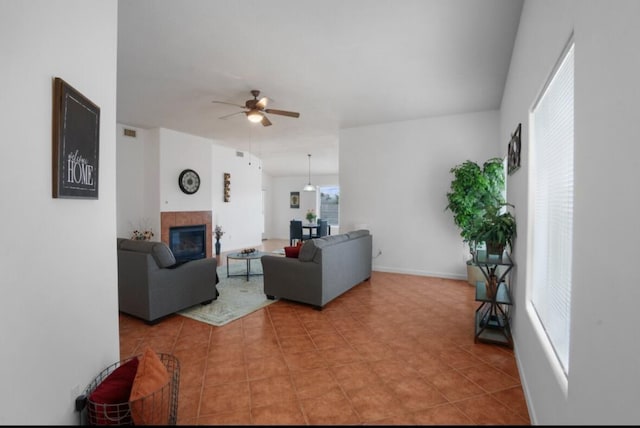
(163, 255)
(108, 404)
(292, 252)
(147, 407)
(357, 233)
(159, 250)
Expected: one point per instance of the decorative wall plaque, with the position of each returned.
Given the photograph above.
(76, 143)
(227, 186)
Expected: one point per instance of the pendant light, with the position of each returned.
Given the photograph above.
(309, 187)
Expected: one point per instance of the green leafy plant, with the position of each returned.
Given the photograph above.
(497, 230)
(474, 191)
(311, 215)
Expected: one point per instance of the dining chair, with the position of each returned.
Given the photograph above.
(315, 233)
(295, 231)
(323, 228)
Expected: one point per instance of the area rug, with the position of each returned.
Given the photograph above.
(238, 297)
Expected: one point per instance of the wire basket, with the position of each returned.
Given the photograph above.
(161, 406)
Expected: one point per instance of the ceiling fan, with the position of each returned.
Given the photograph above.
(255, 109)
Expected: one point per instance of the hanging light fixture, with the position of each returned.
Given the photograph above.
(309, 187)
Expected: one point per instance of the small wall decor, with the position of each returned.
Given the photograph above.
(189, 181)
(76, 148)
(294, 200)
(513, 161)
(227, 186)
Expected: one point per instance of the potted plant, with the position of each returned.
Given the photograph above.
(496, 230)
(311, 215)
(473, 189)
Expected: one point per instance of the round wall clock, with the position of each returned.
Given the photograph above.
(189, 181)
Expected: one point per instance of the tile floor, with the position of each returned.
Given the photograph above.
(394, 350)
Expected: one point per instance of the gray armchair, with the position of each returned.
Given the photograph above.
(151, 285)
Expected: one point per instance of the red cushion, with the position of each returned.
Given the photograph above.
(114, 389)
(292, 251)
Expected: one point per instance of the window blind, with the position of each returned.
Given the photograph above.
(552, 158)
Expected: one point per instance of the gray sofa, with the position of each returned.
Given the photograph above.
(325, 268)
(151, 285)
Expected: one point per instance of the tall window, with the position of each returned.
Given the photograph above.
(552, 222)
(330, 204)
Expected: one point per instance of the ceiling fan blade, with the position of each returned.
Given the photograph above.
(224, 102)
(282, 112)
(262, 104)
(229, 115)
(265, 121)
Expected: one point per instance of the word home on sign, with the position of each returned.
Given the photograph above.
(79, 171)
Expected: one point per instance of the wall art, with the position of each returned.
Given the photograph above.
(227, 187)
(294, 200)
(76, 143)
(513, 160)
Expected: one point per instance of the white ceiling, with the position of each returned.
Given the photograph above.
(340, 63)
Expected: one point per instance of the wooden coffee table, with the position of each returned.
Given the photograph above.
(256, 255)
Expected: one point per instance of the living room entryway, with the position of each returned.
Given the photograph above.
(396, 349)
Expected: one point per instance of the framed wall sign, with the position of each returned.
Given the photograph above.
(294, 200)
(76, 148)
(513, 161)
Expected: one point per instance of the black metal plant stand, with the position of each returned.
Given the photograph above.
(492, 319)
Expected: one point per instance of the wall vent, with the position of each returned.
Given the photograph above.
(240, 154)
(130, 132)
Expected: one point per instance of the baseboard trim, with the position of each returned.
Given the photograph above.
(445, 275)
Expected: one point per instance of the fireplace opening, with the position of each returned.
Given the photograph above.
(188, 242)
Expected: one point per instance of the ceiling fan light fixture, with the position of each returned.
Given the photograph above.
(255, 109)
(254, 116)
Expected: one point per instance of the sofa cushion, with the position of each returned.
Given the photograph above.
(163, 255)
(159, 250)
(310, 247)
(357, 233)
(307, 251)
(334, 239)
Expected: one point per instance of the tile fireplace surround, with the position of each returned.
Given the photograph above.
(170, 219)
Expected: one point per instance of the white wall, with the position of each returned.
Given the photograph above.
(137, 182)
(267, 188)
(394, 178)
(59, 310)
(157, 157)
(280, 211)
(180, 151)
(603, 385)
(241, 218)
